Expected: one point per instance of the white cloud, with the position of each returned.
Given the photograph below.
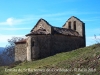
(13, 21)
(15, 28)
(30, 18)
(4, 39)
(92, 40)
(10, 21)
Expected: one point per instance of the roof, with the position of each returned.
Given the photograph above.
(76, 18)
(56, 30)
(73, 17)
(21, 41)
(65, 31)
(39, 31)
(39, 21)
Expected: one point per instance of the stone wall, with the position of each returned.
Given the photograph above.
(42, 24)
(61, 43)
(79, 25)
(20, 52)
(41, 47)
(29, 44)
(47, 45)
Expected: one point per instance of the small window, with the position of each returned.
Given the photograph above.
(69, 25)
(74, 25)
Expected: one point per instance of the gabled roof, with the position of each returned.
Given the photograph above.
(39, 21)
(65, 31)
(73, 17)
(56, 30)
(76, 18)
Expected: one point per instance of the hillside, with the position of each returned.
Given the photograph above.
(83, 61)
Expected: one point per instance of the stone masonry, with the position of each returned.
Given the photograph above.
(46, 40)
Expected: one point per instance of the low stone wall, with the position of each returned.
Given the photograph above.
(20, 52)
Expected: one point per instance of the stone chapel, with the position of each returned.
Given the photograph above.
(46, 40)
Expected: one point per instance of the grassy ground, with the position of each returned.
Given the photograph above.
(83, 61)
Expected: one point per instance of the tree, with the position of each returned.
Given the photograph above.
(9, 52)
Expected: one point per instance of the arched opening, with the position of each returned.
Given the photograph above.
(69, 25)
(74, 25)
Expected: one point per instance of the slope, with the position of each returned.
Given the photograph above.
(83, 61)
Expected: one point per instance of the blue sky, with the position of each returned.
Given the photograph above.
(18, 17)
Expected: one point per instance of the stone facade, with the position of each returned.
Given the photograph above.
(43, 24)
(46, 40)
(20, 52)
(47, 45)
(80, 26)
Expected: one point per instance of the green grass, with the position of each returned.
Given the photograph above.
(83, 58)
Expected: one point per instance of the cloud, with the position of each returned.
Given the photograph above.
(13, 21)
(4, 39)
(90, 40)
(30, 18)
(15, 28)
(10, 21)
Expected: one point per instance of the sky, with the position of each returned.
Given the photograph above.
(18, 17)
